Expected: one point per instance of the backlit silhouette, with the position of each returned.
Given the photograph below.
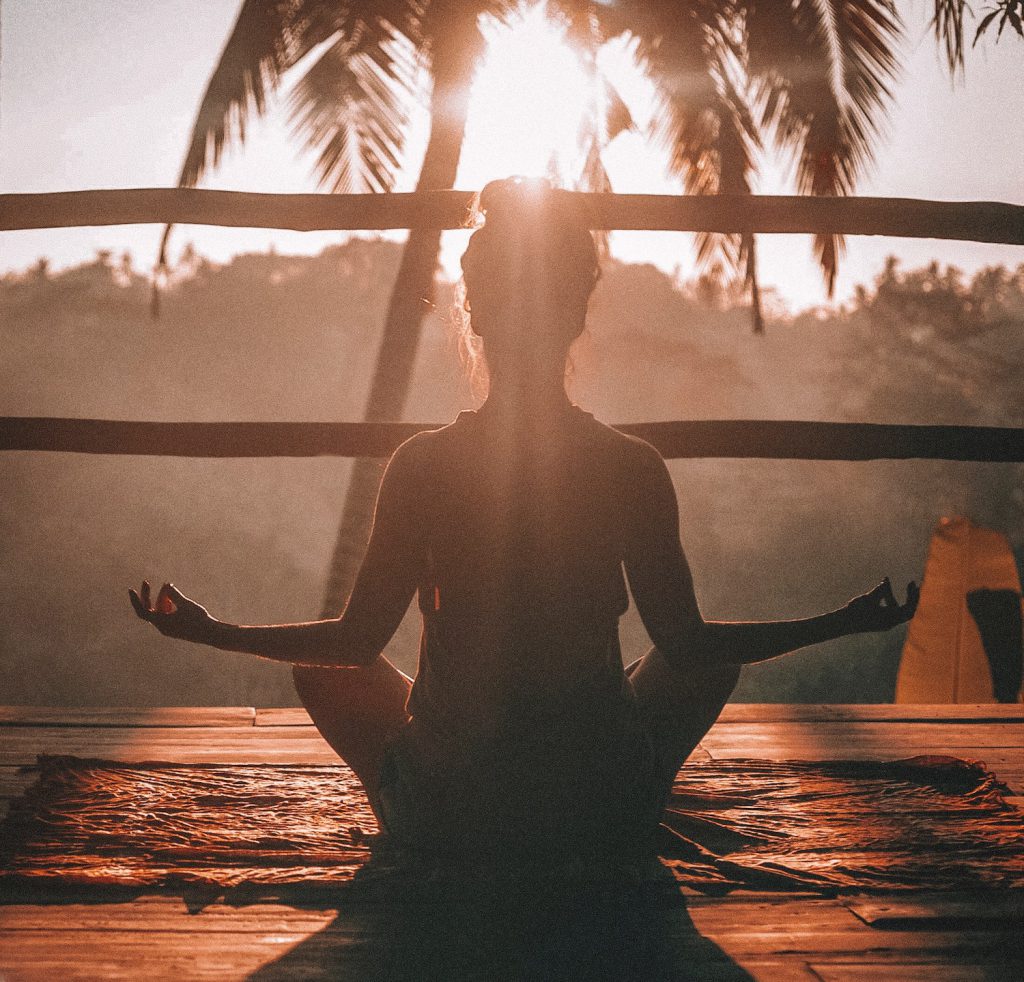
(520, 528)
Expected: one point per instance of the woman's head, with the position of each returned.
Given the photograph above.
(529, 271)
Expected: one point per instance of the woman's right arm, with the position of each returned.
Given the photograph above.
(662, 586)
(380, 597)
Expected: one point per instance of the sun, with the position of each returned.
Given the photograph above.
(530, 97)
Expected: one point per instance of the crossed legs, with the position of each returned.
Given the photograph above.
(357, 711)
(680, 703)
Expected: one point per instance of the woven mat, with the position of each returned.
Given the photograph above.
(930, 823)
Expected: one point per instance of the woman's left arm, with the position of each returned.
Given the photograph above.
(743, 643)
(380, 597)
(662, 585)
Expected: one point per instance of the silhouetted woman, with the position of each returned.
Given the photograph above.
(518, 526)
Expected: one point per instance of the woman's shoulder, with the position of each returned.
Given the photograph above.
(425, 445)
(633, 450)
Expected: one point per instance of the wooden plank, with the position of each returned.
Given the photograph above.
(942, 911)
(118, 716)
(768, 712)
(978, 221)
(158, 937)
(167, 913)
(676, 439)
(947, 970)
(829, 740)
(758, 969)
(737, 914)
(998, 745)
(282, 716)
(805, 940)
(297, 716)
(227, 745)
(28, 956)
(778, 712)
(32, 946)
(163, 913)
(351, 964)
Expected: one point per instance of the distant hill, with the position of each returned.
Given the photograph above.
(269, 337)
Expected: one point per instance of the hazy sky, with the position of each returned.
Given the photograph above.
(101, 93)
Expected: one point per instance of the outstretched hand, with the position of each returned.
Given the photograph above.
(173, 613)
(878, 610)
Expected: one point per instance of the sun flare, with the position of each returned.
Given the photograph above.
(530, 97)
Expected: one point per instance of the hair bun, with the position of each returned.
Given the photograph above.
(530, 199)
(535, 241)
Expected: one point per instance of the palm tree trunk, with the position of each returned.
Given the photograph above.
(410, 301)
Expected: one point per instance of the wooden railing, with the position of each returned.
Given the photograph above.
(776, 439)
(974, 221)
(977, 221)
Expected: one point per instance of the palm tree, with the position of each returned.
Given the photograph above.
(731, 75)
(350, 106)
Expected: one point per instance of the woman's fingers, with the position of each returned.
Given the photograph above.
(165, 599)
(913, 596)
(175, 594)
(168, 600)
(879, 610)
(140, 607)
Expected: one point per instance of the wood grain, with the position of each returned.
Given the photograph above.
(938, 910)
(783, 712)
(116, 716)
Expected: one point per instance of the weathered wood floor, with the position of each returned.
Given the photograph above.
(759, 936)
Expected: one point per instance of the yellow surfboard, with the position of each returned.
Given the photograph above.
(943, 659)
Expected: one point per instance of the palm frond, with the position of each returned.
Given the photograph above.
(351, 107)
(268, 38)
(681, 54)
(822, 72)
(1009, 12)
(948, 26)
(703, 120)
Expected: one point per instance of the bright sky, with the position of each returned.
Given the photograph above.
(101, 93)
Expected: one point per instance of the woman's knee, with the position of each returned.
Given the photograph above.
(377, 689)
(308, 680)
(683, 681)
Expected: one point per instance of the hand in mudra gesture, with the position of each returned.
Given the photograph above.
(878, 610)
(173, 613)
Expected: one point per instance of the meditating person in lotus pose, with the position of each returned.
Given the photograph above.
(519, 526)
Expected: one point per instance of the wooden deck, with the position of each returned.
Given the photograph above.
(773, 937)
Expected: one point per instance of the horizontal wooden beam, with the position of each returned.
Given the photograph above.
(739, 438)
(978, 221)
